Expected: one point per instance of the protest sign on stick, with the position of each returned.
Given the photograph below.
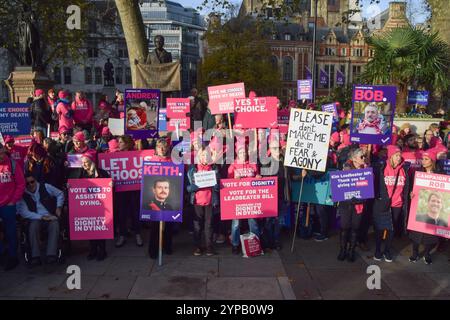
(221, 98)
(15, 119)
(430, 204)
(308, 139)
(258, 112)
(141, 112)
(91, 209)
(372, 114)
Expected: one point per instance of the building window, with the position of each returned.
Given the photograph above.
(57, 75)
(287, 37)
(274, 62)
(88, 75)
(371, 53)
(357, 52)
(67, 75)
(331, 2)
(92, 49)
(287, 69)
(123, 51)
(274, 36)
(356, 71)
(127, 76)
(92, 26)
(329, 69)
(98, 75)
(344, 52)
(330, 51)
(119, 75)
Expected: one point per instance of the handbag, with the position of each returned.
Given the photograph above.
(383, 220)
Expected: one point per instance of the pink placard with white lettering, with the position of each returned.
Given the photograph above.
(183, 124)
(221, 98)
(177, 107)
(248, 198)
(259, 112)
(91, 209)
(125, 168)
(430, 204)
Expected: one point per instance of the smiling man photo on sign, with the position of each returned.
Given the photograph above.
(434, 209)
(373, 122)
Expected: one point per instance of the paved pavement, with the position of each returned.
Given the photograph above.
(311, 272)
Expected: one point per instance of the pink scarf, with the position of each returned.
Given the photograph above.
(375, 124)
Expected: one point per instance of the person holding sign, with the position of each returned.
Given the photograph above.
(351, 211)
(203, 200)
(162, 152)
(417, 238)
(241, 168)
(90, 171)
(391, 186)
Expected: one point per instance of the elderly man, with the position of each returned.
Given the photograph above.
(373, 122)
(41, 205)
(434, 210)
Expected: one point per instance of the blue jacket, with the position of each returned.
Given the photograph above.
(192, 188)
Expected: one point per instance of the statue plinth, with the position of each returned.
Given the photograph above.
(23, 81)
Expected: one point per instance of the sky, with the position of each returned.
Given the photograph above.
(415, 10)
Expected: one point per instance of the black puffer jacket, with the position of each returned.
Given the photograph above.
(40, 113)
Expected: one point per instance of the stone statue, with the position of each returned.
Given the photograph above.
(159, 55)
(108, 73)
(29, 43)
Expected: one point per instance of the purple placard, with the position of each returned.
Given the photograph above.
(304, 89)
(162, 192)
(331, 107)
(445, 166)
(349, 184)
(141, 112)
(372, 114)
(74, 160)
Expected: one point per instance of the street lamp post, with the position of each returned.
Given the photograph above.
(314, 52)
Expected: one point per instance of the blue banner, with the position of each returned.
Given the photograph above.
(315, 189)
(323, 77)
(340, 78)
(419, 97)
(162, 120)
(308, 73)
(15, 119)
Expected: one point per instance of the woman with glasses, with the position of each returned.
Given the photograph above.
(351, 211)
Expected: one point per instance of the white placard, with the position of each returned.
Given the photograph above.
(1, 139)
(205, 179)
(308, 139)
(116, 126)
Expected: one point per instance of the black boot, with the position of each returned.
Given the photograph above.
(343, 237)
(92, 251)
(101, 254)
(351, 257)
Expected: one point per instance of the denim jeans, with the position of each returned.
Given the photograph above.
(235, 234)
(8, 216)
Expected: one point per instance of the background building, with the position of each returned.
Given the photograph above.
(182, 29)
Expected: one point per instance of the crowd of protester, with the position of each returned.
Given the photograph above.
(33, 182)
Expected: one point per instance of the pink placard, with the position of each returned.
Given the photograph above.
(183, 124)
(259, 112)
(91, 209)
(414, 158)
(23, 140)
(177, 107)
(283, 120)
(221, 98)
(430, 204)
(248, 198)
(125, 168)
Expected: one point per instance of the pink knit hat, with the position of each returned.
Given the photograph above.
(79, 136)
(391, 150)
(39, 92)
(63, 94)
(113, 145)
(430, 154)
(90, 154)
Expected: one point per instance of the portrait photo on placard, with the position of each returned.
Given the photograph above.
(162, 193)
(372, 118)
(142, 114)
(433, 207)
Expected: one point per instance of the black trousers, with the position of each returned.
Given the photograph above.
(203, 225)
(153, 248)
(97, 246)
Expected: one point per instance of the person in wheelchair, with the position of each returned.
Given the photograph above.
(41, 206)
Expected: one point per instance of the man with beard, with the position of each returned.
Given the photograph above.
(434, 211)
(373, 122)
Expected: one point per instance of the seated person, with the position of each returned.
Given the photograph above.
(41, 205)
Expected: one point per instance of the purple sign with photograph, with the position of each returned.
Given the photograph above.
(372, 114)
(349, 184)
(162, 192)
(74, 160)
(141, 112)
(304, 89)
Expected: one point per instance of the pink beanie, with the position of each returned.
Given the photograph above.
(430, 154)
(79, 136)
(391, 150)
